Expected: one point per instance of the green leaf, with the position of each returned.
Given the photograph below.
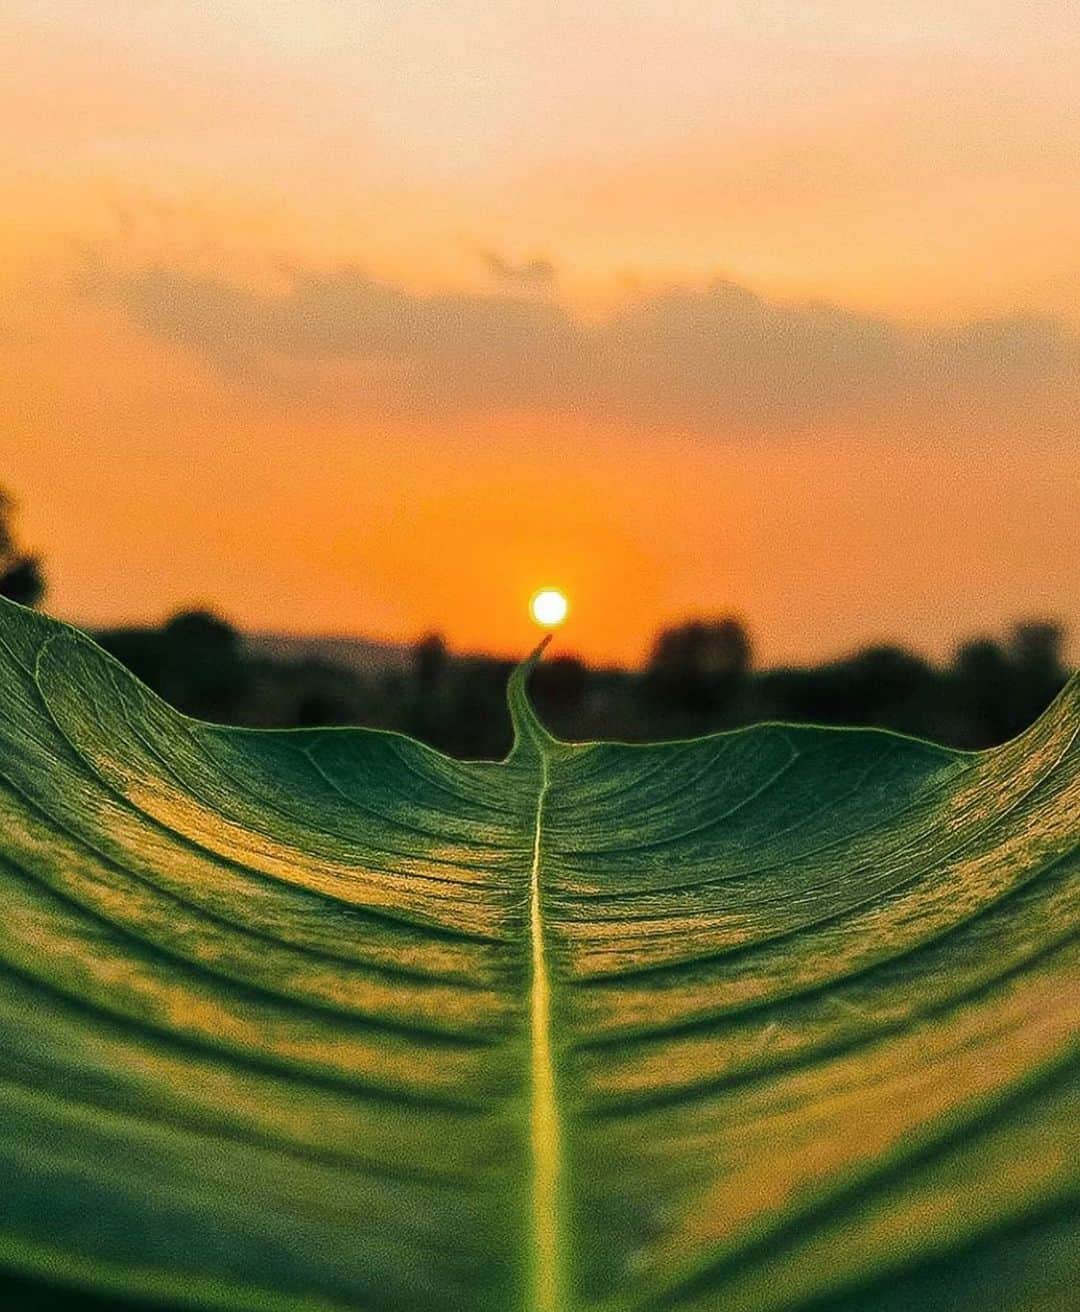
(776, 1019)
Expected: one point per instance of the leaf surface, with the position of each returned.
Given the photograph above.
(306, 1021)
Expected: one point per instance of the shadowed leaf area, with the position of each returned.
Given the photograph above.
(776, 1019)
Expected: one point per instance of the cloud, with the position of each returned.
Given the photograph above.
(538, 272)
(716, 357)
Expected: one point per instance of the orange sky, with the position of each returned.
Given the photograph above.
(375, 318)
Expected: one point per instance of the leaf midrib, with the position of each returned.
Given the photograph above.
(544, 1117)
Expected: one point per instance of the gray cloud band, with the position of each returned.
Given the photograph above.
(708, 356)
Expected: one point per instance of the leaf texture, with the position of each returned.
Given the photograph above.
(314, 1021)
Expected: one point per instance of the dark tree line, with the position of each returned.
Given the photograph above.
(700, 677)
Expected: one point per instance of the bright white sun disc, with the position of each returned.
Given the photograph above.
(549, 607)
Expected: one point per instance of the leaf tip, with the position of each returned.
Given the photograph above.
(527, 727)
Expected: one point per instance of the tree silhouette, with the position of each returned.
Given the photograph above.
(431, 661)
(21, 576)
(698, 667)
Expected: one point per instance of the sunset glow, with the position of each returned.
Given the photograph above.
(365, 320)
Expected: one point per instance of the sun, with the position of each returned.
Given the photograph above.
(549, 607)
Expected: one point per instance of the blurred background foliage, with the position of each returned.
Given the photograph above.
(700, 677)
